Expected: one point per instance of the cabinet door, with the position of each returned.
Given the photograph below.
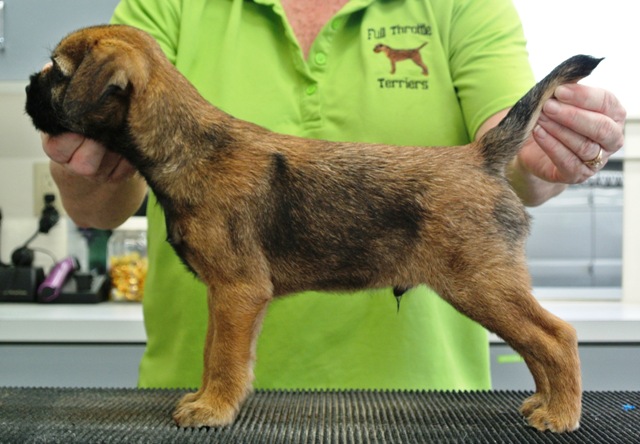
(604, 367)
(559, 248)
(70, 365)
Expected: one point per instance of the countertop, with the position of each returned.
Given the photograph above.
(119, 322)
(110, 322)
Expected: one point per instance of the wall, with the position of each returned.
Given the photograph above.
(631, 234)
(19, 148)
(31, 29)
(556, 30)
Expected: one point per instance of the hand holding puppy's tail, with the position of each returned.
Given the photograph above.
(502, 143)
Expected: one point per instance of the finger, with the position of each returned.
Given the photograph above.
(567, 167)
(60, 148)
(123, 170)
(593, 99)
(87, 159)
(597, 127)
(582, 147)
(114, 168)
(601, 102)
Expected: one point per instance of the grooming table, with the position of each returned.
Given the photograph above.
(53, 415)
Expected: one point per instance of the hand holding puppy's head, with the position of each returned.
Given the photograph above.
(87, 86)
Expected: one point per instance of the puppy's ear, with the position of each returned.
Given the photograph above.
(109, 68)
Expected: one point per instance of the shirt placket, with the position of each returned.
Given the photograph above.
(313, 71)
(317, 66)
(321, 55)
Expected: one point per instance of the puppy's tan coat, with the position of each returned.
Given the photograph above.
(256, 215)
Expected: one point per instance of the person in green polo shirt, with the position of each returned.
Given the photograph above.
(403, 72)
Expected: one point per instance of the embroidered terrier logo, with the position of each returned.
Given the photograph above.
(398, 55)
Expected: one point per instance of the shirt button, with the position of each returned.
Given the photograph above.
(320, 58)
(311, 89)
(336, 23)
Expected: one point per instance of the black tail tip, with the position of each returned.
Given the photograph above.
(579, 66)
(586, 60)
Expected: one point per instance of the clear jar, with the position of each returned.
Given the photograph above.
(127, 260)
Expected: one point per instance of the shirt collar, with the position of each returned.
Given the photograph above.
(352, 3)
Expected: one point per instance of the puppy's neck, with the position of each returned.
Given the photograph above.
(176, 134)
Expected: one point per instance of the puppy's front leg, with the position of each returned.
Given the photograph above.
(235, 316)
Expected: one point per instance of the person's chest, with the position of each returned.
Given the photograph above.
(308, 17)
(248, 61)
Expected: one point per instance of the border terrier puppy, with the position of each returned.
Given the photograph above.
(257, 215)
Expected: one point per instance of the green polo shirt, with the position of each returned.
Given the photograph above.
(243, 57)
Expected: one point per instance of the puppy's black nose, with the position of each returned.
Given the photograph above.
(27, 88)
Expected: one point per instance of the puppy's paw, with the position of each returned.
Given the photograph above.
(196, 410)
(543, 419)
(531, 404)
(188, 398)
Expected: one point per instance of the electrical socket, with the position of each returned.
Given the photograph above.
(43, 184)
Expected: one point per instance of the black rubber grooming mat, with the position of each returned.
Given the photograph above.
(52, 415)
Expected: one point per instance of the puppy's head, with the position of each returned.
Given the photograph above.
(88, 85)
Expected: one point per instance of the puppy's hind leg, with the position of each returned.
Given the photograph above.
(504, 305)
(235, 317)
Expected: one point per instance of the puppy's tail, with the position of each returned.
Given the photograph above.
(502, 143)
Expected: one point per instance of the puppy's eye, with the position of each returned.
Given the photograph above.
(56, 73)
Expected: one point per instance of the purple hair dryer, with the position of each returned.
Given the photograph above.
(50, 288)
